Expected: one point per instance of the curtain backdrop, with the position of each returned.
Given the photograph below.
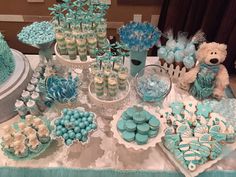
(217, 18)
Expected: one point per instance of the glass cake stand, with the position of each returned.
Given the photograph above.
(75, 65)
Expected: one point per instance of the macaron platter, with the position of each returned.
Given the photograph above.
(137, 127)
(196, 137)
(74, 125)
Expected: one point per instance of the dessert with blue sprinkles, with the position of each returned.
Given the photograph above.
(196, 132)
(75, 125)
(137, 125)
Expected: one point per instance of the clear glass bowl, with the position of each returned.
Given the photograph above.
(153, 83)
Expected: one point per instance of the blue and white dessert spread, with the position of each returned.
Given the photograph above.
(195, 134)
(137, 125)
(75, 125)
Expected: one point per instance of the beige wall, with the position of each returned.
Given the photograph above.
(38, 11)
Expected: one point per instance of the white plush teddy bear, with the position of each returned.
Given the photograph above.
(209, 77)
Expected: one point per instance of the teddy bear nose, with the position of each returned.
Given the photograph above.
(214, 60)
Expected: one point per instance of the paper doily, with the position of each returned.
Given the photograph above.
(151, 142)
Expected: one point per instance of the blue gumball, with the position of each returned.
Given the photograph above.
(65, 111)
(57, 122)
(88, 128)
(84, 138)
(77, 122)
(78, 136)
(65, 136)
(86, 123)
(58, 133)
(77, 129)
(66, 122)
(81, 114)
(69, 142)
(94, 126)
(76, 115)
(84, 132)
(67, 117)
(84, 119)
(59, 127)
(91, 114)
(90, 119)
(62, 121)
(64, 130)
(72, 135)
(81, 125)
(86, 114)
(69, 112)
(72, 119)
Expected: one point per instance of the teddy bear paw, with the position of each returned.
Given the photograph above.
(218, 94)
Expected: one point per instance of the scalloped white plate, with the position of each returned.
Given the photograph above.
(151, 142)
(54, 137)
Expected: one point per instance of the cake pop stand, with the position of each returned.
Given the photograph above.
(76, 64)
(132, 145)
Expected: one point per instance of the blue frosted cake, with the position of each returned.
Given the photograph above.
(7, 63)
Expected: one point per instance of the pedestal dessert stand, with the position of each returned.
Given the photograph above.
(76, 64)
(109, 105)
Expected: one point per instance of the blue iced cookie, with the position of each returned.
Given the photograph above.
(203, 109)
(215, 133)
(152, 133)
(204, 151)
(139, 117)
(195, 145)
(174, 137)
(130, 125)
(216, 147)
(143, 128)
(121, 125)
(128, 136)
(177, 107)
(141, 139)
(169, 144)
(154, 123)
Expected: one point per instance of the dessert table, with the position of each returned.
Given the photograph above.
(102, 155)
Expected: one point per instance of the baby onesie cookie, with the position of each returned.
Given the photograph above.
(184, 146)
(215, 133)
(199, 130)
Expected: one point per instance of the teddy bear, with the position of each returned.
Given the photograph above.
(209, 77)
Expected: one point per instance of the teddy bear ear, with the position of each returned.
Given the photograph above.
(223, 46)
(203, 46)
